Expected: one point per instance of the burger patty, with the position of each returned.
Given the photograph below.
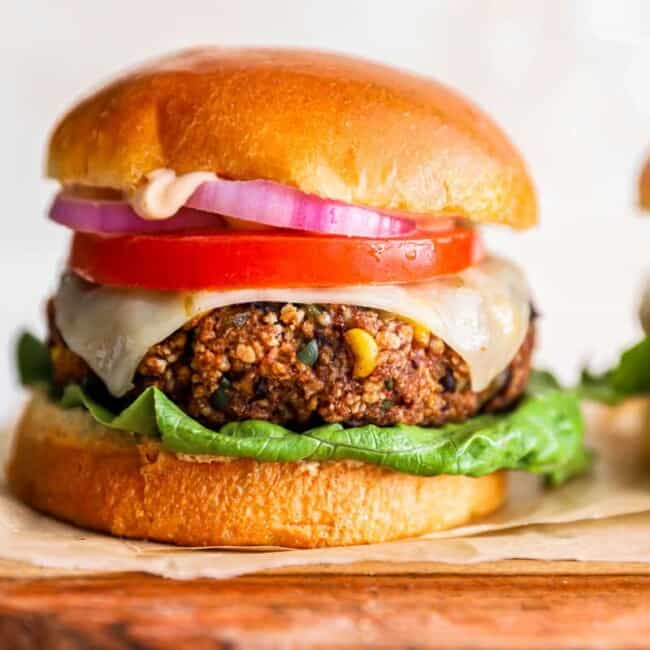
(300, 365)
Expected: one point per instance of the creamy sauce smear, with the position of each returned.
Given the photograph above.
(165, 193)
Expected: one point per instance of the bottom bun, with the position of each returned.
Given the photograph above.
(620, 432)
(65, 464)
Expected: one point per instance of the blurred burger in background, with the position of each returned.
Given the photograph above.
(619, 407)
(644, 187)
(644, 204)
(278, 324)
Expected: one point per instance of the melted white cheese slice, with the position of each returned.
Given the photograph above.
(482, 313)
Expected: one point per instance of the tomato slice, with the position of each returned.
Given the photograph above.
(232, 260)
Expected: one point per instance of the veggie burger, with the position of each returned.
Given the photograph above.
(278, 324)
(644, 204)
(629, 377)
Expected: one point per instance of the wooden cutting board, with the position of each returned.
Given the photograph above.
(521, 604)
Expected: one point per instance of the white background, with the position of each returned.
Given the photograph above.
(569, 81)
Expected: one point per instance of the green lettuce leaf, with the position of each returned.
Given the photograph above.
(33, 361)
(631, 376)
(543, 434)
(137, 417)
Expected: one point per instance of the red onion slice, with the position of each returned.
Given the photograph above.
(118, 218)
(272, 204)
(257, 202)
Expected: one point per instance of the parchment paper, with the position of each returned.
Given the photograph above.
(592, 518)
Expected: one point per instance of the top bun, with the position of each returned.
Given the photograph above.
(331, 125)
(644, 187)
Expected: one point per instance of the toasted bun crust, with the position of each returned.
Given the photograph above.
(644, 187)
(65, 464)
(330, 125)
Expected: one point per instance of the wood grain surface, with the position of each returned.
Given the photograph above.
(135, 611)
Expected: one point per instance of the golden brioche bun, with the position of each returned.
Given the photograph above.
(331, 125)
(65, 464)
(644, 187)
